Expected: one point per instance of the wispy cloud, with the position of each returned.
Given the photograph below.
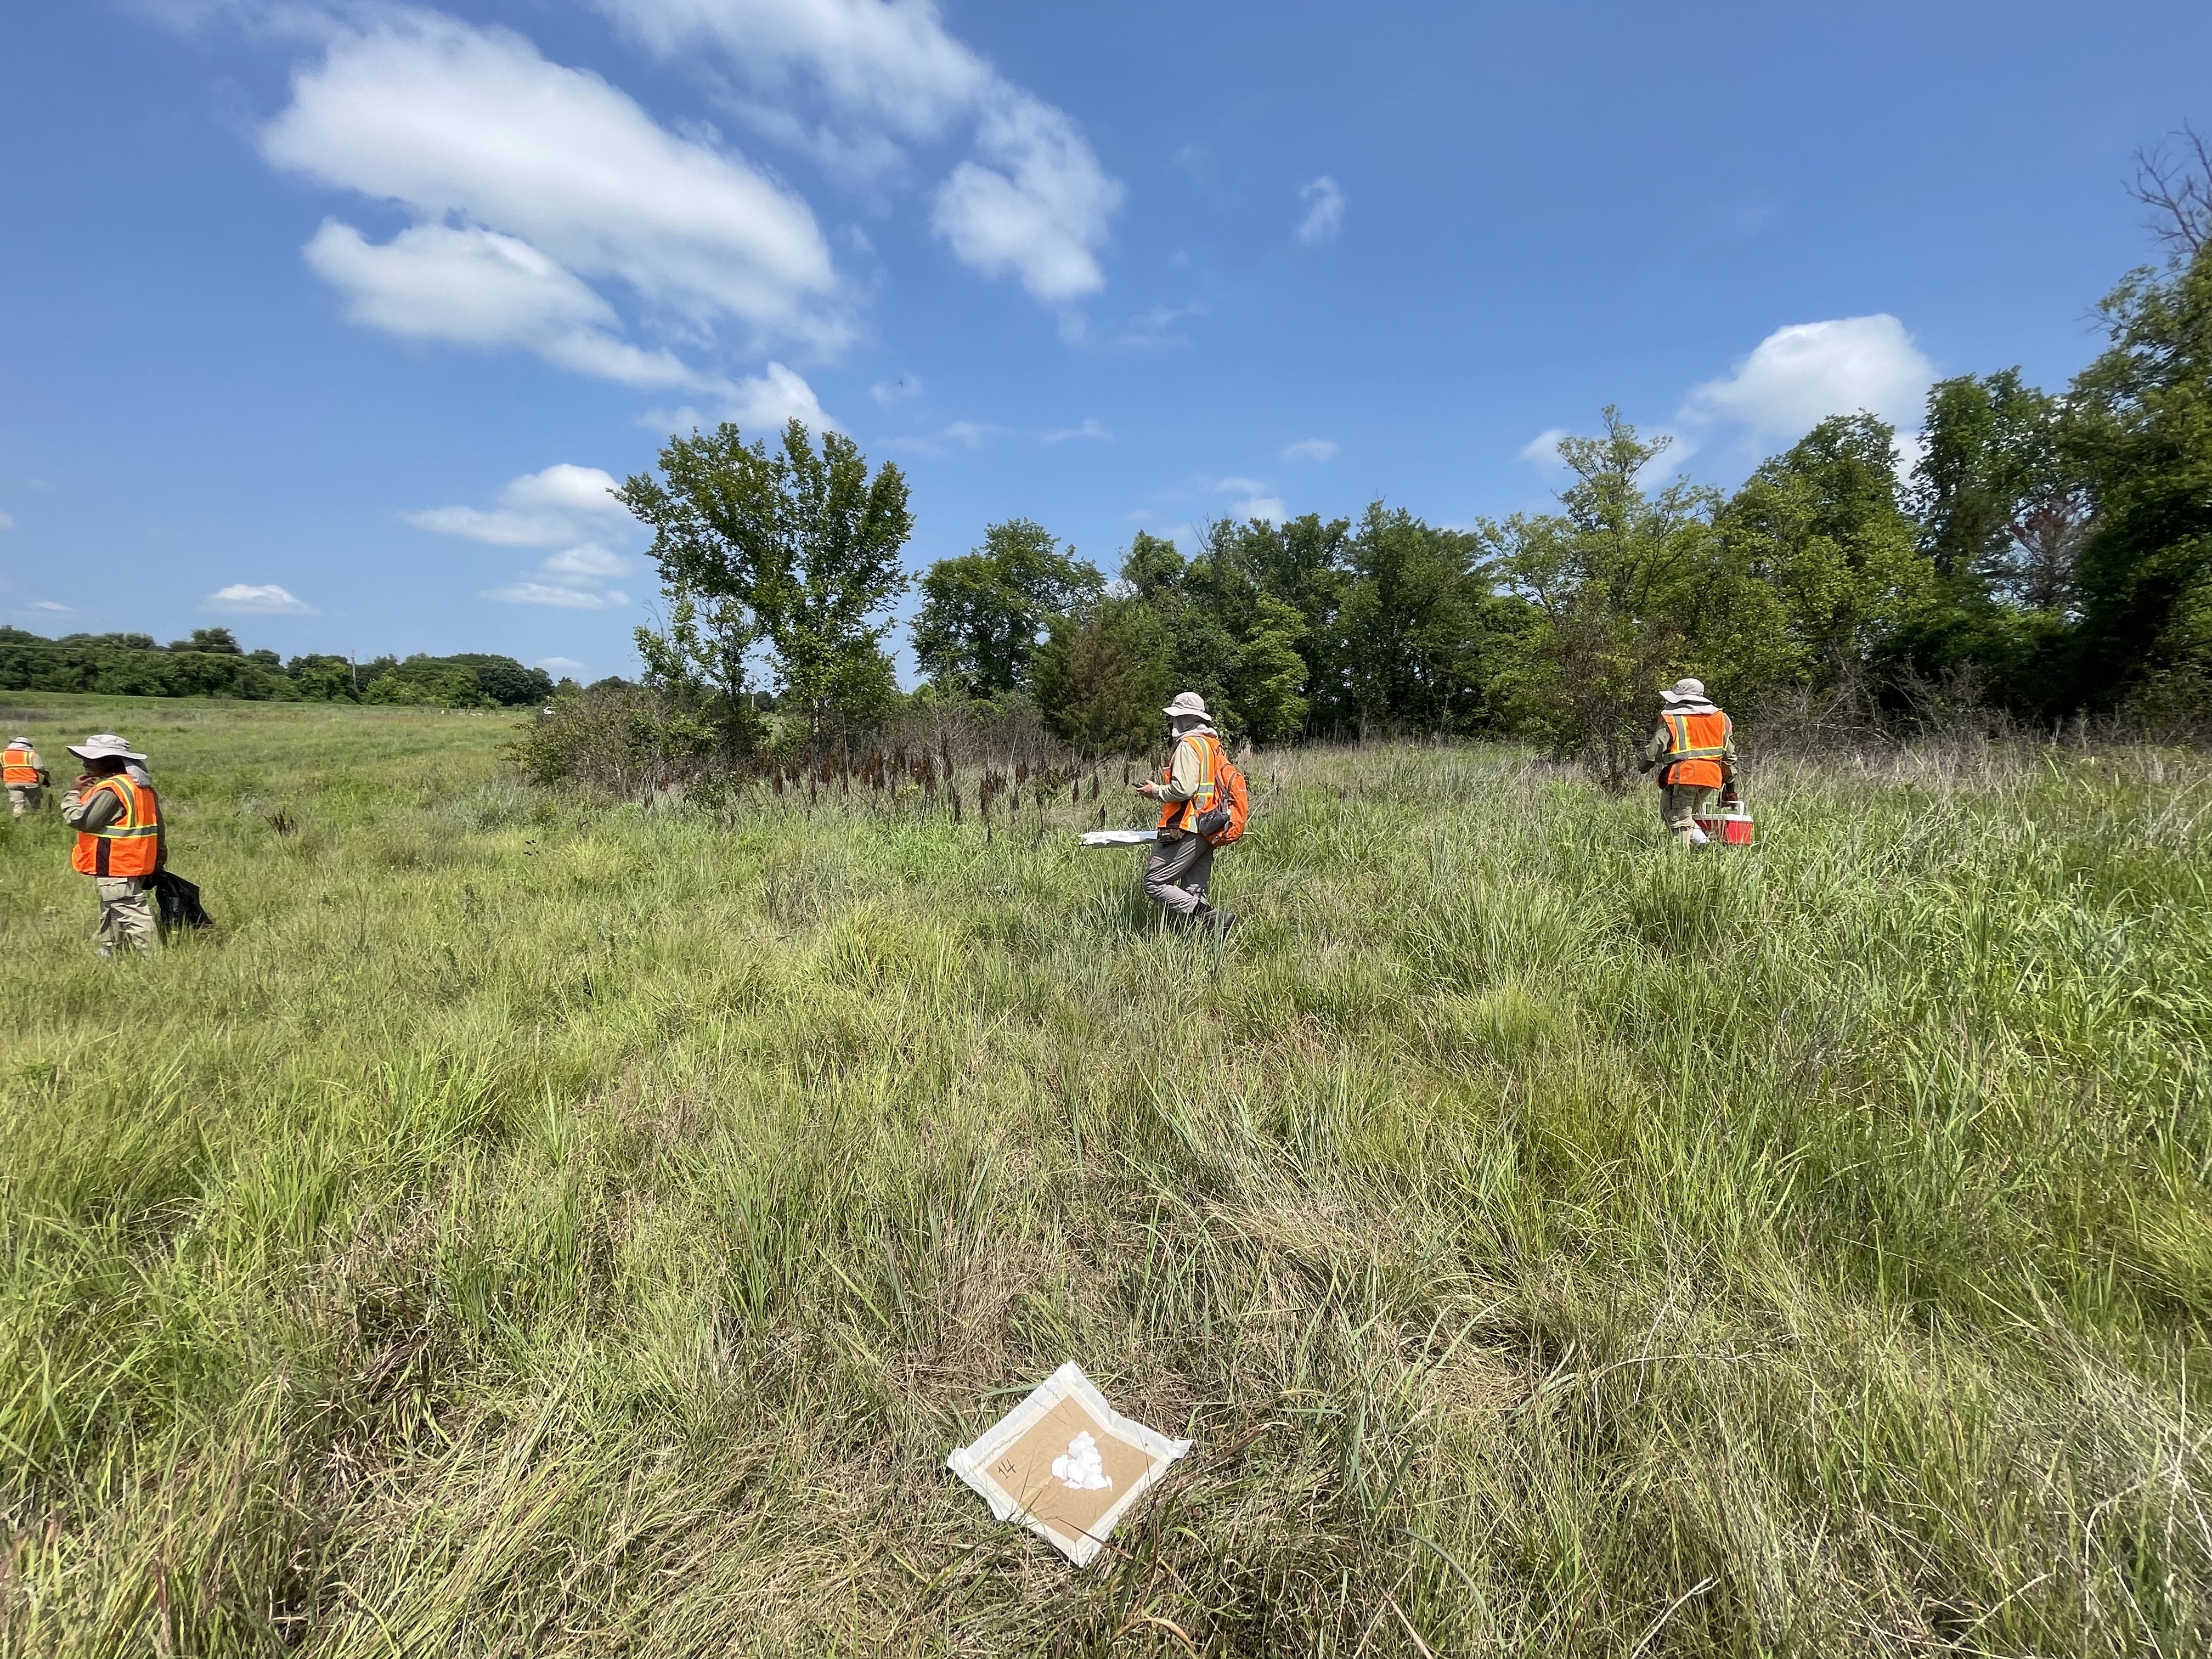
(962, 435)
(1324, 201)
(1543, 449)
(1256, 503)
(1090, 429)
(890, 393)
(246, 599)
(1310, 449)
(555, 594)
(1155, 330)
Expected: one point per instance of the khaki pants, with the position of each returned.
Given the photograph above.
(127, 921)
(23, 798)
(1176, 874)
(1680, 804)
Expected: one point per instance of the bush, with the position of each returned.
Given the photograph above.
(628, 741)
(430, 685)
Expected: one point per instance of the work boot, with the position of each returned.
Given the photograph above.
(1218, 922)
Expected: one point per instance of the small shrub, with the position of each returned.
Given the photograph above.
(628, 741)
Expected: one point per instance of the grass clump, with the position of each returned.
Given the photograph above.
(537, 1227)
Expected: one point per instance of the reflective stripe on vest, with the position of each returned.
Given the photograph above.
(1184, 814)
(131, 846)
(17, 767)
(1696, 744)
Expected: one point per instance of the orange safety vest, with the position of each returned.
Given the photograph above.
(131, 846)
(1184, 814)
(1696, 743)
(17, 769)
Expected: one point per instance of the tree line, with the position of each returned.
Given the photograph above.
(2046, 554)
(211, 663)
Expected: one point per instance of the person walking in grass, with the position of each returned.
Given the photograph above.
(25, 774)
(119, 843)
(1182, 860)
(1694, 750)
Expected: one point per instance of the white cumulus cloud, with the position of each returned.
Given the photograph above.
(558, 665)
(1324, 200)
(1798, 376)
(475, 287)
(529, 182)
(246, 599)
(776, 398)
(1032, 203)
(1310, 449)
(565, 506)
(1256, 503)
(1037, 207)
(888, 64)
(539, 509)
(586, 563)
(760, 404)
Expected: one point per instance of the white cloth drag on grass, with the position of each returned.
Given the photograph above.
(1066, 1464)
(1119, 837)
(1081, 1470)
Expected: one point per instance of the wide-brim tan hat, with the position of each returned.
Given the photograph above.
(1684, 690)
(1187, 705)
(105, 745)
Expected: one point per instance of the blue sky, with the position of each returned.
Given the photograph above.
(321, 319)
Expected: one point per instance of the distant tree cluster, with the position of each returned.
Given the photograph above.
(212, 664)
(2046, 554)
(2042, 554)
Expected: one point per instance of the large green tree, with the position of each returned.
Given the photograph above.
(795, 548)
(2142, 417)
(2003, 504)
(1416, 624)
(983, 614)
(1102, 679)
(1616, 578)
(1819, 565)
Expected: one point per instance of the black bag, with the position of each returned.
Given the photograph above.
(179, 902)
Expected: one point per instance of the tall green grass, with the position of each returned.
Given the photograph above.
(538, 1227)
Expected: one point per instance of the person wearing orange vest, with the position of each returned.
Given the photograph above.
(119, 843)
(1181, 861)
(25, 774)
(1694, 750)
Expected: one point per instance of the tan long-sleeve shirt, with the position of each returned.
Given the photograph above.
(91, 810)
(1187, 770)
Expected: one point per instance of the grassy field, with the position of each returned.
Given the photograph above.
(538, 1227)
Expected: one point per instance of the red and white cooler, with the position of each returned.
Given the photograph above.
(1731, 826)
